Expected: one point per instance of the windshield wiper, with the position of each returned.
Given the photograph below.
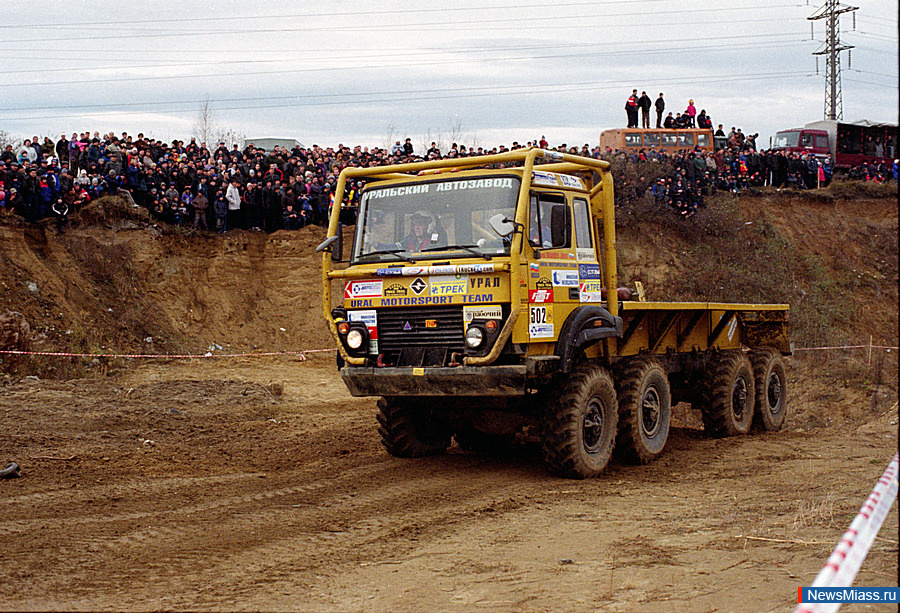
(395, 252)
(469, 248)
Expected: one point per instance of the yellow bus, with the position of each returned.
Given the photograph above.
(633, 140)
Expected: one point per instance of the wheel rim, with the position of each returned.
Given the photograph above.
(650, 412)
(592, 426)
(773, 393)
(739, 398)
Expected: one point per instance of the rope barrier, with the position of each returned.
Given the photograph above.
(302, 353)
(845, 561)
(169, 356)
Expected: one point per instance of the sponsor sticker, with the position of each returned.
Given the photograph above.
(464, 269)
(492, 311)
(565, 278)
(389, 272)
(412, 271)
(363, 289)
(540, 296)
(539, 324)
(418, 285)
(585, 254)
(732, 327)
(591, 291)
(543, 283)
(544, 178)
(447, 269)
(449, 285)
(589, 271)
(370, 319)
(395, 289)
(570, 181)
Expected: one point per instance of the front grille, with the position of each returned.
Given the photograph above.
(407, 328)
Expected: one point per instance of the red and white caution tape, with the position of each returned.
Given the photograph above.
(847, 558)
(169, 356)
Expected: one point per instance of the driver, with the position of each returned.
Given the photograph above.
(419, 239)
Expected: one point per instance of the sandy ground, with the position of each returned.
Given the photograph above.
(261, 485)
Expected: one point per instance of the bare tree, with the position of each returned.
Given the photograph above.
(229, 136)
(7, 139)
(389, 138)
(205, 127)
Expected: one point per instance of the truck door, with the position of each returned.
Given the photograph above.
(553, 289)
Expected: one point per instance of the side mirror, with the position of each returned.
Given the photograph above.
(337, 251)
(334, 244)
(501, 225)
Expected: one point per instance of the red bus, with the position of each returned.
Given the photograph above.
(848, 144)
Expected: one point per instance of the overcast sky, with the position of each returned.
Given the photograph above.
(486, 73)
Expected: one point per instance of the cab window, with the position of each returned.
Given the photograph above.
(549, 222)
(633, 140)
(651, 139)
(582, 225)
(703, 140)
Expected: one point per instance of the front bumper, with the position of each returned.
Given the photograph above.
(443, 381)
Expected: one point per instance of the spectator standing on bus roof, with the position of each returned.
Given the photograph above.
(631, 109)
(645, 103)
(660, 107)
(691, 112)
(719, 131)
(703, 120)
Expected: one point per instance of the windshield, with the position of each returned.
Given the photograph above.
(438, 219)
(786, 139)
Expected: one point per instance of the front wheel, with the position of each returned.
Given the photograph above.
(579, 425)
(408, 431)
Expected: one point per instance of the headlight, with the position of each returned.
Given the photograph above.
(474, 337)
(354, 339)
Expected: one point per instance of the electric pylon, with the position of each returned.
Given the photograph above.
(831, 48)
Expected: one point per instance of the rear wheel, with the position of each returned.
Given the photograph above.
(771, 389)
(408, 431)
(728, 395)
(579, 425)
(645, 410)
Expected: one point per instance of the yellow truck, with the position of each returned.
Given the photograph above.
(480, 302)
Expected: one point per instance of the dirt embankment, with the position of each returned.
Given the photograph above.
(260, 484)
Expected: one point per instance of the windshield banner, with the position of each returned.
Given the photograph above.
(446, 269)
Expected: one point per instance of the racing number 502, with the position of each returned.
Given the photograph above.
(538, 315)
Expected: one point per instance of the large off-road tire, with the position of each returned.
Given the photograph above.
(645, 410)
(408, 431)
(579, 424)
(771, 389)
(728, 395)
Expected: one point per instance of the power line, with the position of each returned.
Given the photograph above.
(331, 54)
(307, 70)
(443, 94)
(443, 25)
(282, 17)
(666, 50)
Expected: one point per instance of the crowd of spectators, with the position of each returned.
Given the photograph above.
(225, 188)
